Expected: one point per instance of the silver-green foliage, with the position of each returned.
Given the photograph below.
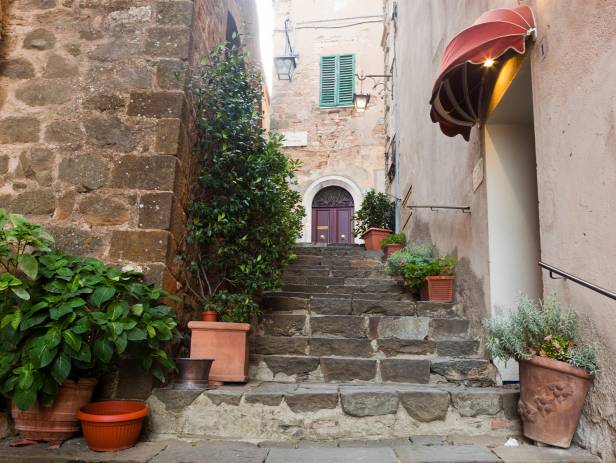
(539, 328)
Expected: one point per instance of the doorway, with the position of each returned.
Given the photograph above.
(513, 206)
(332, 216)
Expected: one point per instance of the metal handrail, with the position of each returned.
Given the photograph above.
(579, 281)
(464, 209)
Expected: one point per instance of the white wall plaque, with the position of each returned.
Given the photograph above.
(295, 138)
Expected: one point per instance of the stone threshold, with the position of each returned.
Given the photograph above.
(416, 449)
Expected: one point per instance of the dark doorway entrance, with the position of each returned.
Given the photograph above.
(332, 216)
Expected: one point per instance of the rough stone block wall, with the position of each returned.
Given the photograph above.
(95, 123)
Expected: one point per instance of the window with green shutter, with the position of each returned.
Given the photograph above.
(337, 81)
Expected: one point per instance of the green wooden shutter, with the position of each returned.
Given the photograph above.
(346, 80)
(328, 82)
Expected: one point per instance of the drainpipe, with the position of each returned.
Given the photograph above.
(394, 17)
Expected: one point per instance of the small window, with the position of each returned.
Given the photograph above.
(337, 81)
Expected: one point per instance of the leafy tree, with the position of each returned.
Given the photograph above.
(245, 216)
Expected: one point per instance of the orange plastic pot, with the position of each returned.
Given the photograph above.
(373, 237)
(113, 425)
(437, 289)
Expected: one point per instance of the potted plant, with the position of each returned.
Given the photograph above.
(66, 321)
(430, 277)
(375, 219)
(555, 370)
(393, 243)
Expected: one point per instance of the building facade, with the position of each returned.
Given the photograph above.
(538, 171)
(341, 149)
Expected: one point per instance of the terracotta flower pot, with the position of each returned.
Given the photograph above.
(437, 289)
(227, 344)
(373, 237)
(113, 425)
(391, 248)
(59, 422)
(209, 316)
(193, 373)
(552, 395)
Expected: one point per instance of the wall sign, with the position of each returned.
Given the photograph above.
(295, 138)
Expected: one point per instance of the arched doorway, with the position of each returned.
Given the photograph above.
(332, 216)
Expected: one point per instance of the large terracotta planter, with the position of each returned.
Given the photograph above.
(373, 237)
(437, 289)
(112, 425)
(552, 395)
(59, 422)
(391, 248)
(227, 344)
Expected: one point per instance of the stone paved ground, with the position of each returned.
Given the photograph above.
(417, 449)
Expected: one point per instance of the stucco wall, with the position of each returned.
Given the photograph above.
(341, 141)
(575, 134)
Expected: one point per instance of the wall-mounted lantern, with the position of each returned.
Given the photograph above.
(361, 99)
(286, 64)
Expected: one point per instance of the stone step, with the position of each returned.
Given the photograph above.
(416, 370)
(340, 281)
(345, 347)
(382, 286)
(325, 412)
(337, 263)
(358, 304)
(319, 272)
(349, 325)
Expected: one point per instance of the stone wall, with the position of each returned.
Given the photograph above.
(95, 123)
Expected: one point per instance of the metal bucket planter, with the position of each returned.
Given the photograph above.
(552, 395)
(193, 373)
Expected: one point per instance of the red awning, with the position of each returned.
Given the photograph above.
(463, 78)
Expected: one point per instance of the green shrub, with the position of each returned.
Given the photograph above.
(539, 329)
(412, 252)
(415, 272)
(244, 215)
(376, 211)
(233, 307)
(396, 238)
(76, 320)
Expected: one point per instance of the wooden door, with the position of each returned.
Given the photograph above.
(332, 216)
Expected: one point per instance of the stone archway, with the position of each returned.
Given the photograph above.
(320, 184)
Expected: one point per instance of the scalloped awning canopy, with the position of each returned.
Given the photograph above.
(470, 64)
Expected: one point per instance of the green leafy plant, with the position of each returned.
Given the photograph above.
(542, 329)
(410, 253)
(415, 272)
(376, 211)
(396, 238)
(76, 320)
(20, 243)
(245, 215)
(233, 307)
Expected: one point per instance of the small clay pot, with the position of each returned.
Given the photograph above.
(552, 395)
(209, 316)
(437, 289)
(391, 248)
(113, 425)
(373, 237)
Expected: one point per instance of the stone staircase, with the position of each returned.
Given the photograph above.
(343, 352)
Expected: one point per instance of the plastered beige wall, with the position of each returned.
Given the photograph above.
(341, 142)
(575, 132)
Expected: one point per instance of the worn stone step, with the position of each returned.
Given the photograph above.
(381, 287)
(364, 364)
(474, 372)
(325, 412)
(321, 346)
(312, 281)
(347, 326)
(275, 324)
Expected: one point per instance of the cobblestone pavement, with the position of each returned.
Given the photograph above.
(417, 449)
